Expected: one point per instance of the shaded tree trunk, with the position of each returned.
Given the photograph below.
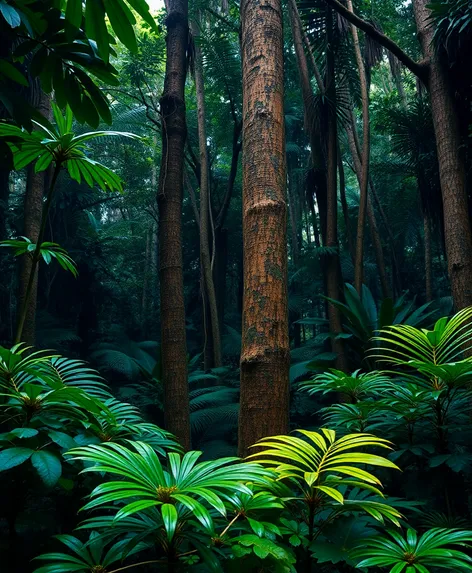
(344, 206)
(457, 228)
(364, 179)
(36, 184)
(333, 270)
(205, 258)
(169, 200)
(265, 354)
(376, 242)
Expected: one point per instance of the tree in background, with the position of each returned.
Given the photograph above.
(169, 200)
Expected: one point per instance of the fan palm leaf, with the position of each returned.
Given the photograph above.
(147, 483)
(412, 554)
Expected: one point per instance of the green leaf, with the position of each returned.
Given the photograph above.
(23, 433)
(9, 70)
(10, 14)
(74, 13)
(14, 457)
(48, 467)
(142, 9)
(63, 440)
(121, 24)
(96, 27)
(170, 518)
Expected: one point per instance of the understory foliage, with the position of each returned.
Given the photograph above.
(375, 474)
(330, 497)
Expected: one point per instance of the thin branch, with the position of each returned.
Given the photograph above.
(222, 18)
(316, 71)
(419, 69)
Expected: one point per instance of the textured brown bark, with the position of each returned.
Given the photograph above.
(265, 353)
(36, 184)
(333, 269)
(428, 259)
(364, 180)
(457, 228)
(169, 200)
(205, 258)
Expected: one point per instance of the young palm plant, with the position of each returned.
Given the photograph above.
(58, 146)
(90, 557)
(434, 360)
(169, 495)
(356, 386)
(322, 470)
(436, 548)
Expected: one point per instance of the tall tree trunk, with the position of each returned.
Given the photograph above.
(169, 200)
(205, 257)
(428, 259)
(265, 354)
(457, 228)
(36, 184)
(376, 242)
(333, 269)
(364, 182)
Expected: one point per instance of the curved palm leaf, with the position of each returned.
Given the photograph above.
(320, 465)
(410, 554)
(447, 342)
(149, 484)
(355, 386)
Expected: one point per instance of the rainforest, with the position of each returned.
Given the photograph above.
(235, 286)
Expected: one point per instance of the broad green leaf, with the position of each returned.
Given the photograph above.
(48, 466)
(14, 457)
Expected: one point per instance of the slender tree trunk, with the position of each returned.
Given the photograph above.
(378, 250)
(364, 182)
(169, 199)
(457, 228)
(428, 259)
(333, 269)
(205, 258)
(342, 193)
(317, 180)
(376, 242)
(36, 184)
(265, 355)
